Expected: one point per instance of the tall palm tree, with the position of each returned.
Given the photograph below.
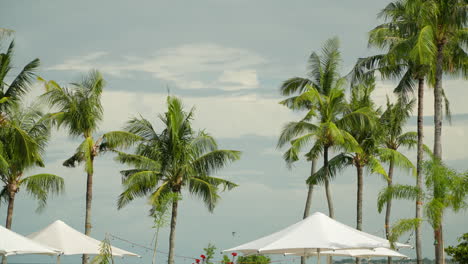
(35, 126)
(445, 27)
(323, 76)
(445, 189)
(176, 159)
(80, 111)
(393, 120)
(442, 27)
(408, 58)
(10, 95)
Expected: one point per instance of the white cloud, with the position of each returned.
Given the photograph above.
(190, 66)
(455, 90)
(228, 117)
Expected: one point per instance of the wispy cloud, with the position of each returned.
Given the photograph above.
(190, 66)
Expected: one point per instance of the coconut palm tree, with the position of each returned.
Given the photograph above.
(80, 111)
(329, 133)
(173, 160)
(10, 95)
(440, 32)
(33, 125)
(445, 189)
(323, 77)
(408, 60)
(393, 120)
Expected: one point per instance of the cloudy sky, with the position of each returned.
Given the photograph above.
(227, 58)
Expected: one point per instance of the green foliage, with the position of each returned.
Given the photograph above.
(445, 189)
(176, 158)
(459, 253)
(226, 259)
(209, 253)
(161, 210)
(401, 227)
(253, 259)
(30, 128)
(105, 253)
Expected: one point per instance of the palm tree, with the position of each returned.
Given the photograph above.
(323, 77)
(393, 120)
(33, 125)
(408, 59)
(80, 111)
(441, 27)
(10, 95)
(445, 189)
(176, 159)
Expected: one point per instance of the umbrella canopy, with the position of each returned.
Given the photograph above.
(71, 242)
(12, 243)
(362, 253)
(313, 234)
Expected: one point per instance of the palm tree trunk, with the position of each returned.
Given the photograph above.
(360, 184)
(89, 198)
(438, 136)
(389, 205)
(438, 103)
(311, 190)
(155, 245)
(9, 219)
(309, 198)
(11, 205)
(331, 211)
(419, 175)
(170, 259)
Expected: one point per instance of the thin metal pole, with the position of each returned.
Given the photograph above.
(318, 256)
(58, 259)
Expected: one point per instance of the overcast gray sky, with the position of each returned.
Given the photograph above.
(227, 58)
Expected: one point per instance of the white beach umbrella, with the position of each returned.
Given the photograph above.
(361, 253)
(72, 242)
(313, 235)
(12, 243)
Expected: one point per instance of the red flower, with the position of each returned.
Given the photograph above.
(234, 254)
(202, 256)
(197, 261)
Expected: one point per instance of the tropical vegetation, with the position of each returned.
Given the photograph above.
(177, 158)
(419, 43)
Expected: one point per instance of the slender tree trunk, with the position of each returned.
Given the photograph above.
(360, 183)
(331, 211)
(438, 134)
(9, 219)
(155, 245)
(309, 198)
(311, 190)
(170, 259)
(438, 103)
(389, 205)
(419, 175)
(89, 199)
(11, 205)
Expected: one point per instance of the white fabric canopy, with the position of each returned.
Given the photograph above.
(316, 233)
(362, 253)
(12, 243)
(71, 242)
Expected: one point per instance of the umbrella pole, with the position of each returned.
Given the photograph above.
(318, 256)
(58, 259)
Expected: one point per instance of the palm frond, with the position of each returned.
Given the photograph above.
(213, 161)
(40, 186)
(397, 191)
(401, 227)
(335, 165)
(202, 188)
